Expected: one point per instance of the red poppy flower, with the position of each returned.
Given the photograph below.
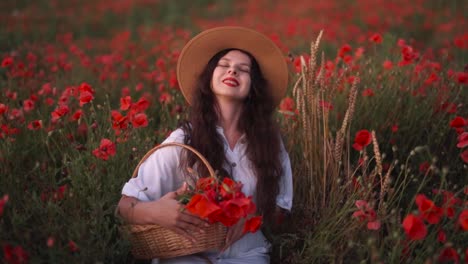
(141, 105)
(15, 255)
(463, 219)
(3, 201)
(414, 227)
(464, 156)
(366, 213)
(59, 112)
(253, 224)
(72, 246)
(424, 167)
(376, 38)
(343, 50)
(139, 120)
(449, 254)
(125, 103)
(28, 105)
(7, 62)
(458, 122)
(202, 206)
(387, 65)
(462, 140)
(287, 104)
(35, 125)
(429, 211)
(50, 242)
(165, 98)
(368, 92)
(362, 139)
(326, 105)
(85, 97)
(3, 109)
(441, 236)
(118, 120)
(106, 149)
(462, 77)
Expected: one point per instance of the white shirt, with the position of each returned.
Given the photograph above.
(161, 174)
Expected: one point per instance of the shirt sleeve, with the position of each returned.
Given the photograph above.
(285, 196)
(159, 173)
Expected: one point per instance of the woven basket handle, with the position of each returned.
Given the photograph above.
(199, 155)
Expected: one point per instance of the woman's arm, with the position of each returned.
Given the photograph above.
(166, 211)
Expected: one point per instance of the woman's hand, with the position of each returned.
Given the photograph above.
(234, 233)
(171, 214)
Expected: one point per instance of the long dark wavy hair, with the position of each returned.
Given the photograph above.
(256, 121)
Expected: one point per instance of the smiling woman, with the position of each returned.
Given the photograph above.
(233, 78)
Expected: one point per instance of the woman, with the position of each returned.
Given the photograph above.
(233, 78)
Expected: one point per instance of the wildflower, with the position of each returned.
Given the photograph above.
(463, 219)
(464, 156)
(140, 120)
(343, 50)
(7, 62)
(15, 255)
(85, 97)
(441, 236)
(72, 246)
(77, 115)
(165, 98)
(429, 211)
(59, 112)
(362, 139)
(368, 92)
(125, 103)
(3, 201)
(462, 77)
(366, 213)
(458, 122)
(462, 140)
(106, 149)
(141, 105)
(326, 105)
(253, 224)
(3, 109)
(449, 254)
(50, 241)
(376, 38)
(28, 105)
(424, 167)
(414, 227)
(387, 65)
(35, 125)
(394, 128)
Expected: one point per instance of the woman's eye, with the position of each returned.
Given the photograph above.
(223, 65)
(244, 70)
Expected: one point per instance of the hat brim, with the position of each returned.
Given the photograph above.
(200, 49)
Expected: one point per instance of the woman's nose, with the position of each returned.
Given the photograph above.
(232, 71)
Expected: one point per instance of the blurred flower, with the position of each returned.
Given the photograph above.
(441, 236)
(106, 149)
(387, 65)
(449, 254)
(344, 50)
(35, 125)
(15, 255)
(394, 128)
(252, 224)
(462, 140)
(50, 241)
(464, 156)
(368, 92)
(28, 105)
(59, 112)
(429, 211)
(458, 122)
(139, 120)
(462, 77)
(3, 109)
(366, 213)
(3, 201)
(424, 167)
(72, 246)
(362, 139)
(125, 103)
(376, 38)
(463, 219)
(414, 227)
(165, 98)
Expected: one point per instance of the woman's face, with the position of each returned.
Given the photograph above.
(231, 77)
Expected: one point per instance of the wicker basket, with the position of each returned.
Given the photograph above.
(154, 241)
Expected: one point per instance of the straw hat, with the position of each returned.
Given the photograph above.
(200, 49)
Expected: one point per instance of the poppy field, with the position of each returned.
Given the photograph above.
(375, 121)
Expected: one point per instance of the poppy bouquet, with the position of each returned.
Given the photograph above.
(221, 201)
